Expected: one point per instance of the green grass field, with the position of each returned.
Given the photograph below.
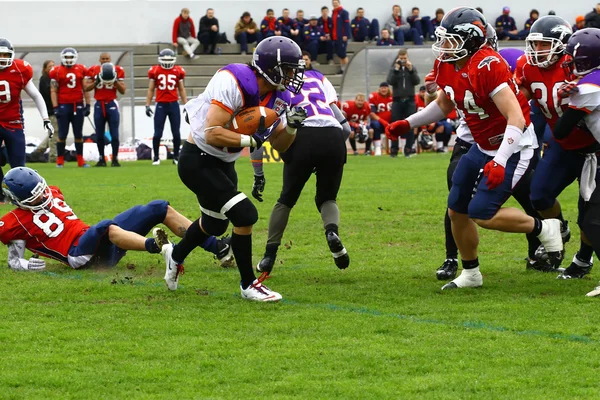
(380, 329)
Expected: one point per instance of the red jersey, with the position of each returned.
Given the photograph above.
(382, 106)
(355, 114)
(69, 79)
(106, 92)
(471, 90)
(50, 232)
(166, 81)
(12, 81)
(543, 84)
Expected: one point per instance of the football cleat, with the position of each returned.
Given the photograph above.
(595, 292)
(259, 292)
(338, 251)
(467, 279)
(156, 162)
(541, 263)
(160, 237)
(267, 263)
(225, 253)
(60, 165)
(100, 163)
(175, 161)
(115, 163)
(551, 238)
(448, 270)
(173, 269)
(577, 270)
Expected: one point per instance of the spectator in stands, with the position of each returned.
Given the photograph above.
(403, 77)
(579, 23)
(326, 25)
(269, 25)
(421, 24)
(246, 32)
(340, 32)
(300, 23)
(362, 29)
(386, 39)
(288, 26)
(592, 19)
(48, 142)
(184, 34)
(506, 28)
(401, 29)
(208, 31)
(437, 21)
(533, 16)
(313, 37)
(551, 12)
(479, 9)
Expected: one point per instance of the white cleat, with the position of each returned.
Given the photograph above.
(259, 292)
(173, 269)
(157, 162)
(594, 293)
(551, 236)
(467, 279)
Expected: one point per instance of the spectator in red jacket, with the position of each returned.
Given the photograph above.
(184, 34)
(301, 22)
(269, 25)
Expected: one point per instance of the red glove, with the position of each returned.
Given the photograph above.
(383, 122)
(494, 173)
(397, 129)
(430, 85)
(567, 89)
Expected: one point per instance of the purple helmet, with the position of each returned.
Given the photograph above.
(511, 56)
(584, 48)
(279, 60)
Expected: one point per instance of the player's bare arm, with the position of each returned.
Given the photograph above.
(120, 85)
(54, 93)
(89, 85)
(182, 93)
(150, 94)
(214, 128)
(86, 95)
(282, 139)
(509, 106)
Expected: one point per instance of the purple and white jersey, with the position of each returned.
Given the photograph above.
(315, 97)
(233, 88)
(588, 100)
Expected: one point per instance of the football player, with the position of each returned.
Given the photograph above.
(583, 111)
(381, 113)
(320, 147)
(15, 76)
(540, 78)
(167, 79)
(45, 224)
(105, 80)
(477, 81)
(207, 162)
(71, 104)
(357, 112)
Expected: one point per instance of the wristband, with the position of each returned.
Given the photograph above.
(247, 141)
(509, 145)
(290, 131)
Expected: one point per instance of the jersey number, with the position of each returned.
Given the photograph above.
(468, 103)
(540, 93)
(167, 82)
(48, 222)
(72, 80)
(381, 107)
(314, 102)
(4, 92)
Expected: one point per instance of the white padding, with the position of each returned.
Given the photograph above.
(232, 202)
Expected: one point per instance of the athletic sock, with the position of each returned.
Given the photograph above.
(470, 264)
(152, 246)
(155, 147)
(537, 228)
(194, 236)
(353, 144)
(242, 251)
(210, 245)
(585, 252)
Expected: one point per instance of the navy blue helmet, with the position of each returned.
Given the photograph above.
(68, 57)
(108, 73)
(462, 32)
(26, 189)
(167, 58)
(279, 60)
(6, 47)
(554, 31)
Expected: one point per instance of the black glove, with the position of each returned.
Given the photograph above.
(258, 187)
(49, 128)
(263, 133)
(149, 112)
(98, 81)
(86, 110)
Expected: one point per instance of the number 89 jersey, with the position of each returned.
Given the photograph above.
(165, 82)
(471, 89)
(50, 232)
(315, 97)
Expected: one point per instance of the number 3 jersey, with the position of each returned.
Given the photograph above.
(50, 232)
(69, 80)
(165, 82)
(315, 97)
(12, 81)
(471, 89)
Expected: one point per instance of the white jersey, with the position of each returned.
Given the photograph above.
(315, 97)
(588, 100)
(464, 133)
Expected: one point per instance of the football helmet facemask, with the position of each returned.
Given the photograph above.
(554, 32)
(6, 48)
(68, 57)
(26, 189)
(167, 58)
(461, 33)
(279, 61)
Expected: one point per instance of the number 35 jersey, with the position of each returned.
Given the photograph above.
(472, 87)
(315, 97)
(50, 232)
(165, 82)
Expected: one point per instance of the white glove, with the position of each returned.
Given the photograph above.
(36, 264)
(49, 128)
(295, 116)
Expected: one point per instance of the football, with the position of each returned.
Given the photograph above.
(246, 121)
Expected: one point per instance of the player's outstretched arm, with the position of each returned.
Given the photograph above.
(16, 260)
(35, 94)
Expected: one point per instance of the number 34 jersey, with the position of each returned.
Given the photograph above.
(165, 82)
(315, 97)
(50, 232)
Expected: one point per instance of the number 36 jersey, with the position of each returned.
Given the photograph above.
(165, 82)
(315, 97)
(50, 232)
(472, 87)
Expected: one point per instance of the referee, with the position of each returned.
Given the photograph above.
(320, 147)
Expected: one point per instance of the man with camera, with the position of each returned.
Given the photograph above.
(403, 77)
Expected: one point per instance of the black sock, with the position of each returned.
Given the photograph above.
(368, 144)
(60, 149)
(115, 148)
(585, 252)
(532, 244)
(537, 228)
(271, 249)
(79, 148)
(561, 218)
(100, 144)
(194, 236)
(470, 264)
(451, 248)
(176, 146)
(353, 144)
(155, 147)
(242, 251)
(331, 228)
(152, 246)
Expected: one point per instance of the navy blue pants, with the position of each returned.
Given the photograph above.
(378, 129)
(313, 48)
(94, 245)
(70, 114)
(412, 34)
(14, 140)
(161, 112)
(107, 112)
(243, 38)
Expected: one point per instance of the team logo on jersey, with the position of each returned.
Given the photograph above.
(472, 28)
(563, 30)
(279, 106)
(487, 62)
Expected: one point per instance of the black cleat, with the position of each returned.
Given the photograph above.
(338, 251)
(577, 270)
(225, 253)
(541, 264)
(267, 263)
(100, 163)
(447, 270)
(565, 232)
(115, 163)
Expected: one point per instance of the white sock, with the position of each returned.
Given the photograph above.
(471, 271)
(439, 145)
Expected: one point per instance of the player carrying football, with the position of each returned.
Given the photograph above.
(477, 81)
(167, 79)
(207, 162)
(320, 147)
(68, 102)
(105, 80)
(357, 112)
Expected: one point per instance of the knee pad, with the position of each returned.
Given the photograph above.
(214, 226)
(242, 213)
